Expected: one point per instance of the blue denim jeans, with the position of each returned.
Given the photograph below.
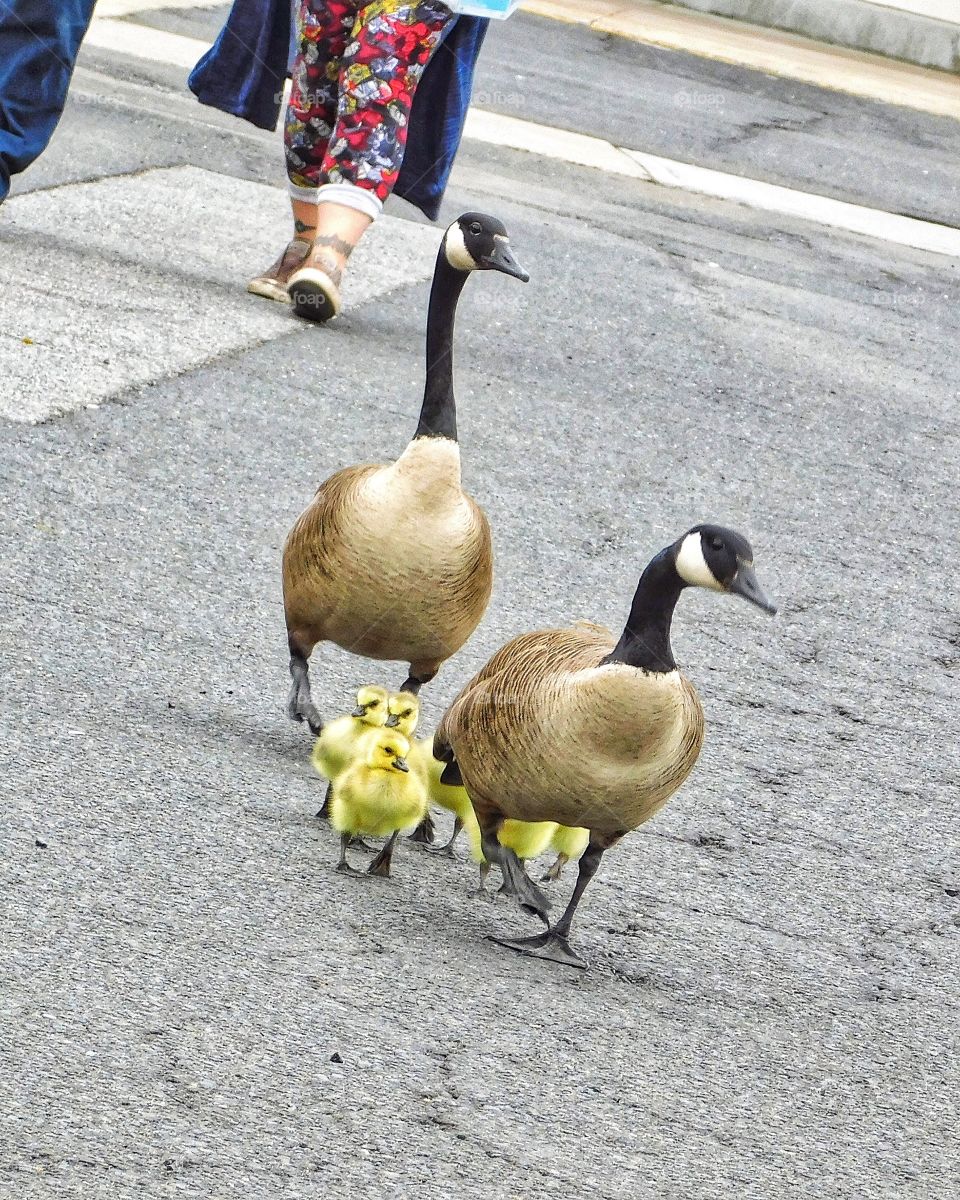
(39, 42)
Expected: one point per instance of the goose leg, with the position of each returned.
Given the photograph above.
(343, 866)
(324, 809)
(425, 833)
(300, 706)
(553, 874)
(413, 683)
(481, 892)
(447, 848)
(554, 944)
(517, 881)
(381, 864)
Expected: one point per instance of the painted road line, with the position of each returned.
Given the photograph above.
(130, 310)
(141, 41)
(583, 150)
(127, 8)
(854, 72)
(768, 197)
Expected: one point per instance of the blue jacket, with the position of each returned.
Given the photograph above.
(39, 42)
(243, 73)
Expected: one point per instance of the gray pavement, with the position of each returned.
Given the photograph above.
(194, 1004)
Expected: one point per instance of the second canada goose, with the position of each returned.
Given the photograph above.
(579, 727)
(394, 561)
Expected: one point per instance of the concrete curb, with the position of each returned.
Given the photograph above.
(773, 51)
(859, 24)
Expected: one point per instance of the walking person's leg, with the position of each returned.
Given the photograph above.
(323, 29)
(39, 42)
(391, 43)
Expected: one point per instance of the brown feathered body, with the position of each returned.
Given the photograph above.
(390, 561)
(544, 732)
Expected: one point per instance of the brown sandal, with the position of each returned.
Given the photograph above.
(272, 284)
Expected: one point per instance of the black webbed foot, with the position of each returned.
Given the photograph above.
(549, 945)
(425, 833)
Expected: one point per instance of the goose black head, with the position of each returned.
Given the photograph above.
(711, 556)
(477, 242)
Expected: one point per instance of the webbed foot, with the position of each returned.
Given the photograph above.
(357, 843)
(380, 866)
(344, 868)
(425, 832)
(518, 883)
(549, 945)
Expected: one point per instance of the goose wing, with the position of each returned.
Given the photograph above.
(515, 688)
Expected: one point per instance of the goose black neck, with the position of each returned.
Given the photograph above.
(438, 415)
(645, 641)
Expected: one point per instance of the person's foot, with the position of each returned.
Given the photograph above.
(272, 284)
(314, 288)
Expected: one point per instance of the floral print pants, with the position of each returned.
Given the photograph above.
(357, 67)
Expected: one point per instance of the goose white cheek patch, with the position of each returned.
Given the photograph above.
(692, 566)
(455, 249)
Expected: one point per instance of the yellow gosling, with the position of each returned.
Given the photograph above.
(378, 794)
(453, 799)
(338, 744)
(404, 713)
(569, 842)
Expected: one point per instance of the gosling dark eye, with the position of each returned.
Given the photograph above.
(476, 228)
(373, 704)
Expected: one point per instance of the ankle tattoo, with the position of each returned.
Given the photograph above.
(327, 263)
(335, 243)
(302, 226)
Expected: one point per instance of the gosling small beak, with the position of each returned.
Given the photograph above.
(401, 764)
(501, 259)
(359, 711)
(746, 584)
(392, 721)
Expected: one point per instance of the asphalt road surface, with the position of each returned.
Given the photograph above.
(193, 1003)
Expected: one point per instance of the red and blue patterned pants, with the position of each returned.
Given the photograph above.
(357, 67)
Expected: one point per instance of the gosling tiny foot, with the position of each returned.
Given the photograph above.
(380, 866)
(425, 832)
(481, 893)
(553, 874)
(357, 843)
(551, 946)
(441, 851)
(344, 868)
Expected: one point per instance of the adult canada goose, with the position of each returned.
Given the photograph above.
(575, 726)
(394, 561)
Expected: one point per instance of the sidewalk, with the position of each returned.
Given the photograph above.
(775, 52)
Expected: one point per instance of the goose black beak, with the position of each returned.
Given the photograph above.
(392, 721)
(746, 584)
(501, 259)
(359, 711)
(401, 764)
